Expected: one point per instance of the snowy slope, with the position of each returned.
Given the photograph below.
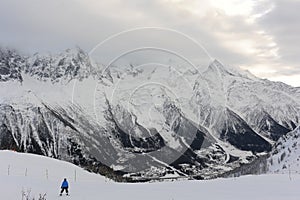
(285, 157)
(38, 174)
(93, 187)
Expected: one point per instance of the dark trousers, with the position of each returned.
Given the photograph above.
(64, 188)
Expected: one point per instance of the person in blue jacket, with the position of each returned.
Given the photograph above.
(64, 186)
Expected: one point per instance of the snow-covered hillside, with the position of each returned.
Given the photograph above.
(94, 187)
(285, 157)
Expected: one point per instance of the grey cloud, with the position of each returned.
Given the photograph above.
(54, 25)
(283, 24)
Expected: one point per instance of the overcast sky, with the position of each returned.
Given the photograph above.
(259, 35)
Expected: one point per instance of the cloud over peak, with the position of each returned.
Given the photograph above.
(259, 35)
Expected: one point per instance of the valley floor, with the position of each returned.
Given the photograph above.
(24, 172)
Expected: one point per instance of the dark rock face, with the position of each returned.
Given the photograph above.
(275, 130)
(268, 126)
(148, 144)
(6, 139)
(11, 65)
(240, 135)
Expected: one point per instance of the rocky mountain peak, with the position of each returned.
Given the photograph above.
(71, 64)
(11, 64)
(217, 67)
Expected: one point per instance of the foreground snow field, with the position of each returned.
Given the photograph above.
(44, 175)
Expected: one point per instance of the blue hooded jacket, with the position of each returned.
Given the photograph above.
(65, 184)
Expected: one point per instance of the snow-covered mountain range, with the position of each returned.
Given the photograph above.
(143, 121)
